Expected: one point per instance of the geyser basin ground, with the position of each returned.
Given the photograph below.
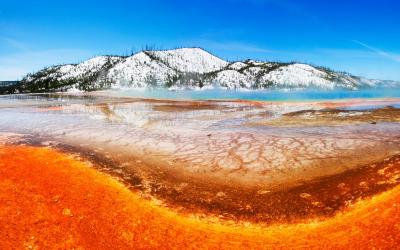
(249, 172)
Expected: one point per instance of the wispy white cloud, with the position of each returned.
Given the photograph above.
(16, 65)
(345, 53)
(13, 43)
(17, 58)
(388, 55)
(287, 5)
(230, 46)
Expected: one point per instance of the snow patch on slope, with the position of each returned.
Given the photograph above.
(237, 65)
(298, 75)
(232, 79)
(91, 65)
(190, 60)
(137, 71)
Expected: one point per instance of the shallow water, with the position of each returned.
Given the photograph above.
(261, 95)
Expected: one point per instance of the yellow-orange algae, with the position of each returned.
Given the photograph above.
(49, 200)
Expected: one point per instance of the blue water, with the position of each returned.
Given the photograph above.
(261, 95)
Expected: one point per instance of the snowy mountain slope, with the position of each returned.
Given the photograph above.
(237, 65)
(298, 75)
(69, 71)
(139, 70)
(257, 75)
(231, 78)
(160, 68)
(87, 75)
(189, 60)
(184, 68)
(91, 65)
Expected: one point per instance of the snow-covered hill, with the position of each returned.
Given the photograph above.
(162, 68)
(185, 68)
(88, 75)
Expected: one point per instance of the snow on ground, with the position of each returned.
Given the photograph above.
(90, 66)
(138, 69)
(237, 65)
(190, 60)
(232, 79)
(299, 75)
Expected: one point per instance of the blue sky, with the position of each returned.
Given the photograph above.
(361, 37)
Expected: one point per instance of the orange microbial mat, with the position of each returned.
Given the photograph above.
(51, 200)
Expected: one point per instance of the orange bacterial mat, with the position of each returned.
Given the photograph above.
(49, 200)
